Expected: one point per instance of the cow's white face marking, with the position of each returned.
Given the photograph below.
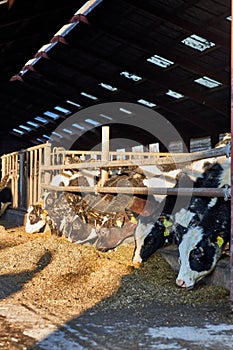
(141, 231)
(60, 179)
(197, 168)
(226, 174)
(212, 202)
(187, 277)
(166, 180)
(183, 217)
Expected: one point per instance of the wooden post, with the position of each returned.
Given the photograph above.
(47, 161)
(22, 185)
(105, 152)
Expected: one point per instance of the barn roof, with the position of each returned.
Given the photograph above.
(172, 56)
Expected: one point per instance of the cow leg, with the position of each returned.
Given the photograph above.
(4, 206)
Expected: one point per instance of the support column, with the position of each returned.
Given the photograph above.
(22, 184)
(231, 245)
(105, 152)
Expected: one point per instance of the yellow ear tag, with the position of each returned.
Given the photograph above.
(119, 222)
(220, 241)
(166, 224)
(45, 212)
(133, 220)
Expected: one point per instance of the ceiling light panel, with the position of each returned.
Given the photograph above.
(92, 122)
(63, 110)
(17, 131)
(174, 94)
(130, 76)
(210, 83)
(108, 87)
(51, 115)
(160, 61)
(42, 120)
(33, 124)
(25, 127)
(146, 103)
(73, 103)
(89, 96)
(197, 42)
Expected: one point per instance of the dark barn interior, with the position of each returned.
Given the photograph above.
(170, 56)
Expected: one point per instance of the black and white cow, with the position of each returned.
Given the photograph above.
(202, 242)
(153, 232)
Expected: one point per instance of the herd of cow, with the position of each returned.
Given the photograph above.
(199, 226)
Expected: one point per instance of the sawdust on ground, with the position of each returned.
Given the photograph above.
(62, 280)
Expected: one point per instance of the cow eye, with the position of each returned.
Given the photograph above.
(197, 254)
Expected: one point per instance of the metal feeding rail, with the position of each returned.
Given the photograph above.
(205, 192)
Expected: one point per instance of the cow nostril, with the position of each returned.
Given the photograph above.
(181, 283)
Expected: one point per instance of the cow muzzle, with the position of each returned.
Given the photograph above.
(181, 283)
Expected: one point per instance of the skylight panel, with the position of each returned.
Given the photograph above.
(174, 94)
(47, 47)
(46, 137)
(131, 76)
(42, 120)
(93, 122)
(108, 87)
(228, 18)
(40, 140)
(125, 111)
(68, 131)
(73, 103)
(105, 116)
(33, 124)
(197, 42)
(78, 126)
(51, 115)
(160, 61)
(146, 103)
(17, 131)
(66, 29)
(63, 110)
(25, 127)
(87, 7)
(32, 61)
(210, 83)
(88, 96)
(57, 134)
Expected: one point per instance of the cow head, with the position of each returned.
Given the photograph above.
(150, 236)
(198, 256)
(35, 219)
